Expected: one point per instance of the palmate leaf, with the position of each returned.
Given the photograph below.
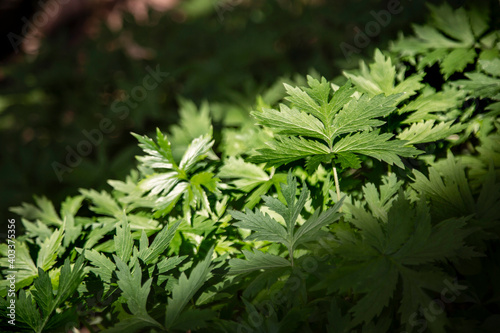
(323, 125)
(433, 44)
(291, 235)
(401, 246)
(176, 179)
(381, 77)
(26, 268)
(450, 194)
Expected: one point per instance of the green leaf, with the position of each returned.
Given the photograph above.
(70, 278)
(26, 269)
(45, 212)
(308, 231)
(27, 312)
(286, 150)
(491, 67)
(158, 156)
(185, 289)
(103, 266)
(193, 123)
(205, 179)
(166, 188)
(428, 103)
(293, 207)
(381, 77)
(136, 294)
(256, 261)
(454, 23)
(265, 227)
(291, 121)
(375, 145)
(160, 244)
(359, 114)
(348, 160)
(299, 134)
(103, 203)
(123, 240)
(169, 263)
(247, 175)
(433, 43)
(380, 203)
(47, 300)
(428, 131)
(483, 85)
(450, 194)
(49, 250)
(196, 152)
(456, 61)
(304, 102)
(43, 294)
(401, 245)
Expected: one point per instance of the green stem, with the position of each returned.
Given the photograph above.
(337, 187)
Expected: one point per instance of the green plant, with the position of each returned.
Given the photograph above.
(327, 126)
(206, 235)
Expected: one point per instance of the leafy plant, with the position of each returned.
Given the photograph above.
(269, 229)
(450, 39)
(181, 179)
(207, 236)
(327, 126)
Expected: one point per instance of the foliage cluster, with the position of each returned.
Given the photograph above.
(226, 51)
(369, 206)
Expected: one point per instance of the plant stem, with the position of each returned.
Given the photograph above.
(337, 187)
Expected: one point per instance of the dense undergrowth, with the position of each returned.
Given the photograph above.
(368, 206)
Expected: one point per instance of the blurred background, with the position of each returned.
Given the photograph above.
(73, 71)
